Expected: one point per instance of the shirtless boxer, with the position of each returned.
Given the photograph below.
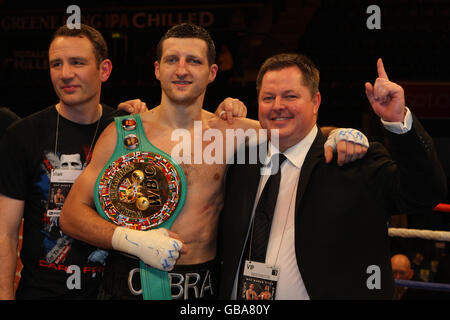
(184, 67)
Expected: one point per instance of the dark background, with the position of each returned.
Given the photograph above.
(414, 42)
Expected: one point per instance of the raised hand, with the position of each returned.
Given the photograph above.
(386, 98)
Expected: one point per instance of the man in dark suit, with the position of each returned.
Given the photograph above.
(327, 235)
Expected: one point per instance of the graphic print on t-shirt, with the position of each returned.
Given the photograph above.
(59, 173)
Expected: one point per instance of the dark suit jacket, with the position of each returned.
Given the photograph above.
(341, 214)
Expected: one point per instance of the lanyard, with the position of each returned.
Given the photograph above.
(57, 135)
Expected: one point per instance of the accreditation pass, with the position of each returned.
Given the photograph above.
(258, 282)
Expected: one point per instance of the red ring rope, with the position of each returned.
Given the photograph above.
(442, 207)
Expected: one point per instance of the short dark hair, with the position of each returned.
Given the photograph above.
(93, 35)
(189, 30)
(311, 75)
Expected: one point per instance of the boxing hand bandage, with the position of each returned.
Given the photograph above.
(347, 134)
(153, 247)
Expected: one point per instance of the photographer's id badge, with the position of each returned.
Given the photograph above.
(258, 282)
(61, 181)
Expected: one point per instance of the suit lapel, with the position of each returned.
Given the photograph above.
(314, 155)
(248, 177)
(253, 178)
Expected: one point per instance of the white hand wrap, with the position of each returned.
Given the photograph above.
(153, 247)
(347, 134)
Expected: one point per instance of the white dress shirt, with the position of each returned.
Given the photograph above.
(281, 246)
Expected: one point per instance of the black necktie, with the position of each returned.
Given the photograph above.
(264, 212)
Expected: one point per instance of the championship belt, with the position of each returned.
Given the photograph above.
(141, 188)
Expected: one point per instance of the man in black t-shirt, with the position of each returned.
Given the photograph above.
(42, 156)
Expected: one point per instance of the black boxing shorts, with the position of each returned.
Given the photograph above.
(121, 280)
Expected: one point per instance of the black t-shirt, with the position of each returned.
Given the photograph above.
(28, 158)
(7, 117)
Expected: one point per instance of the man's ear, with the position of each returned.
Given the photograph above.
(157, 70)
(316, 101)
(213, 72)
(105, 69)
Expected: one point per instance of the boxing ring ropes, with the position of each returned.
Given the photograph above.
(428, 235)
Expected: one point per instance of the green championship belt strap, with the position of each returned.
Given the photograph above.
(141, 188)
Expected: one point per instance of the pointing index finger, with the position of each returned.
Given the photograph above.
(381, 72)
